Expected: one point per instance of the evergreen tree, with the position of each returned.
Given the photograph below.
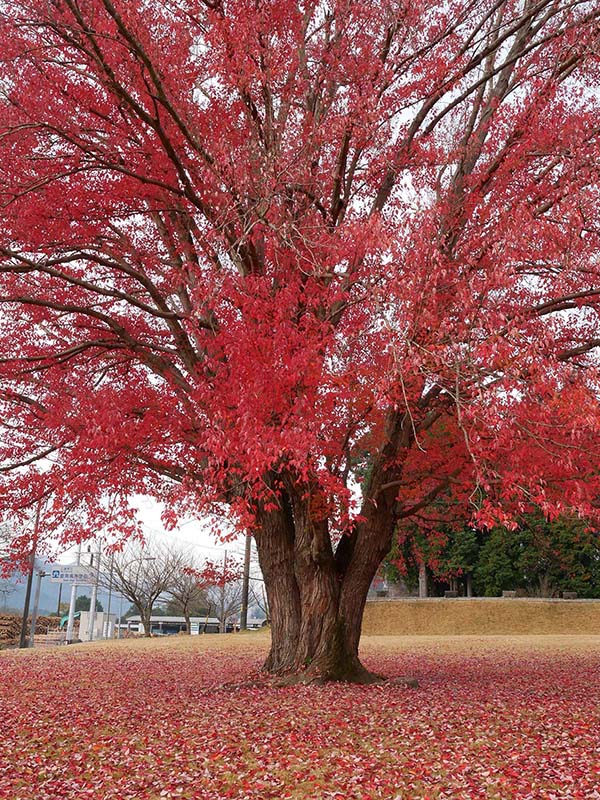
(83, 603)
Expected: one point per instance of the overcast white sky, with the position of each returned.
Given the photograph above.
(194, 535)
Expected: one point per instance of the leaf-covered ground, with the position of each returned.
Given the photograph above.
(497, 718)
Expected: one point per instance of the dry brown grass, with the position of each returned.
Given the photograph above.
(482, 617)
(479, 644)
(208, 641)
(246, 642)
(256, 644)
(461, 626)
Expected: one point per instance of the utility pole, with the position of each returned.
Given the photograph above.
(94, 598)
(59, 599)
(223, 625)
(120, 615)
(246, 584)
(36, 604)
(71, 622)
(106, 626)
(23, 636)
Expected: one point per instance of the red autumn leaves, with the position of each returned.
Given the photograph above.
(177, 724)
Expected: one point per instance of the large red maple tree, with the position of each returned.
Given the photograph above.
(254, 254)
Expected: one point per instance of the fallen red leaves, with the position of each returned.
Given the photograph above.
(125, 725)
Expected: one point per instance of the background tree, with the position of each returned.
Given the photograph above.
(225, 602)
(258, 600)
(251, 251)
(460, 558)
(141, 574)
(188, 595)
(5, 540)
(7, 586)
(420, 553)
(541, 558)
(83, 603)
(223, 586)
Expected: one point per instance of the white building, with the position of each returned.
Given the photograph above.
(104, 626)
(163, 626)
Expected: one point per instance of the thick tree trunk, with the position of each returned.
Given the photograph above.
(275, 546)
(318, 640)
(317, 596)
(145, 615)
(316, 602)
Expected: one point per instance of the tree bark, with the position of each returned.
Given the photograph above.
(315, 630)
(422, 580)
(316, 598)
(275, 547)
(145, 618)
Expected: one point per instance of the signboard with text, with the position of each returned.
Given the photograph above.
(72, 573)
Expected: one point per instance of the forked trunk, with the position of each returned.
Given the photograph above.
(326, 645)
(316, 600)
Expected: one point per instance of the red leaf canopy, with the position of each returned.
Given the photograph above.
(246, 245)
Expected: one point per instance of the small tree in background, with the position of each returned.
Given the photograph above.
(142, 573)
(7, 587)
(223, 589)
(541, 558)
(418, 556)
(188, 595)
(259, 598)
(560, 555)
(459, 558)
(497, 569)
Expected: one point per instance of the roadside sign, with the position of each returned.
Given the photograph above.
(72, 573)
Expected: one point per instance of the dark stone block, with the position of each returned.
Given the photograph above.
(409, 683)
